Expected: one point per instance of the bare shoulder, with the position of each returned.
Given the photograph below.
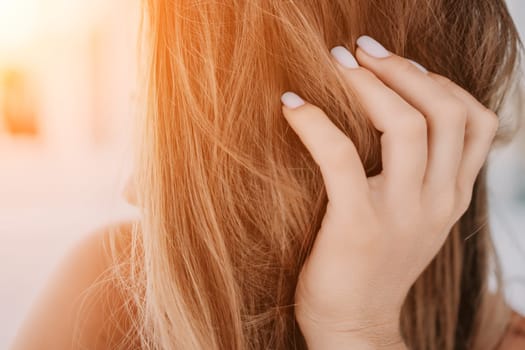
(514, 338)
(83, 305)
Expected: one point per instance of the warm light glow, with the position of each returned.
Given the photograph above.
(17, 22)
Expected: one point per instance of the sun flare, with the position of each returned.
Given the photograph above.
(17, 21)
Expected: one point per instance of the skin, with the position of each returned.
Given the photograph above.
(351, 288)
(76, 297)
(379, 233)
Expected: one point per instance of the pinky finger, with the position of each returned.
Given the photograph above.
(343, 173)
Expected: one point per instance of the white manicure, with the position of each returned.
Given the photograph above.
(418, 66)
(292, 100)
(344, 57)
(372, 47)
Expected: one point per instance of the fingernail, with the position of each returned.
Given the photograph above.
(344, 57)
(292, 100)
(372, 47)
(418, 66)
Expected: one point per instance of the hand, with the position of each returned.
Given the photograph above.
(380, 233)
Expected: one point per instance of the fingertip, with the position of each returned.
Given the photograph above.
(372, 47)
(291, 100)
(344, 57)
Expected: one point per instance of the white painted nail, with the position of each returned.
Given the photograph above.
(372, 47)
(418, 66)
(344, 57)
(292, 100)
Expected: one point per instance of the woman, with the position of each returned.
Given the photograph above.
(350, 214)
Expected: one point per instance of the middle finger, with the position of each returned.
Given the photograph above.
(446, 115)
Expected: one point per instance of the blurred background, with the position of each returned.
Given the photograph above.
(67, 100)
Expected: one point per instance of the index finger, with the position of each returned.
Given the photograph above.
(343, 172)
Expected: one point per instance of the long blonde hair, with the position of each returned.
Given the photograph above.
(231, 200)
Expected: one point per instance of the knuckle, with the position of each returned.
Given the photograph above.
(451, 113)
(451, 104)
(491, 120)
(463, 202)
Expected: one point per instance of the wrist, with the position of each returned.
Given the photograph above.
(351, 342)
(348, 343)
(376, 337)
